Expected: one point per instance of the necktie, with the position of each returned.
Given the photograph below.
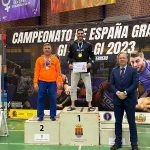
(122, 72)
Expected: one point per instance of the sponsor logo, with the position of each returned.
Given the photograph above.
(22, 114)
(140, 118)
(14, 114)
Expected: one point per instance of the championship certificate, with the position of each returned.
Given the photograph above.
(79, 67)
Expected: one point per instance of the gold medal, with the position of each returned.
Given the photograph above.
(80, 55)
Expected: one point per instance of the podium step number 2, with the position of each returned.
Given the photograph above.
(42, 132)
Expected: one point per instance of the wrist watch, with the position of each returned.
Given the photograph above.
(125, 92)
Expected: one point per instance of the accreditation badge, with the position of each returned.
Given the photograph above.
(80, 55)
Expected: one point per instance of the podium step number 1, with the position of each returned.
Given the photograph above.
(79, 127)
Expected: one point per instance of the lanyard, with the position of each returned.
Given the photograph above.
(80, 46)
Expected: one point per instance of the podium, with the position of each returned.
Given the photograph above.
(107, 134)
(79, 127)
(107, 129)
(41, 132)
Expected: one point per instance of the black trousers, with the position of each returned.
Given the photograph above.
(130, 113)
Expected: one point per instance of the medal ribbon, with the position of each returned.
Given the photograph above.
(80, 46)
(47, 62)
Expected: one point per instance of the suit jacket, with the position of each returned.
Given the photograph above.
(128, 83)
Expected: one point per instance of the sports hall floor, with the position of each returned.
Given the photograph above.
(15, 140)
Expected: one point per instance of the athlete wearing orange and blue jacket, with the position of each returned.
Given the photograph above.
(47, 69)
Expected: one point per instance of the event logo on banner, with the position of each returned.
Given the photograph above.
(107, 40)
(18, 9)
(67, 5)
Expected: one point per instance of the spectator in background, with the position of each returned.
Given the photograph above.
(63, 92)
(23, 88)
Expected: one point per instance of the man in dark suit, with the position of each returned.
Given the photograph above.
(123, 83)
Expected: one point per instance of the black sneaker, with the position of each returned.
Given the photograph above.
(135, 148)
(71, 108)
(52, 118)
(91, 109)
(40, 119)
(115, 147)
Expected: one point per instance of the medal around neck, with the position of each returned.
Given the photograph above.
(47, 62)
(80, 55)
(47, 68)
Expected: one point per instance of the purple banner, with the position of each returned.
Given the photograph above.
(18, 9)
